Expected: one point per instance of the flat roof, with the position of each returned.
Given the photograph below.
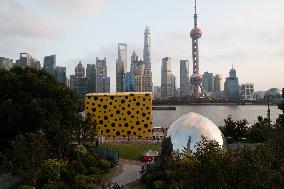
(118, 94)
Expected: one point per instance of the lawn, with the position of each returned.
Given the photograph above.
(132, 151)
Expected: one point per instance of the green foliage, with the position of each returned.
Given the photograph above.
(25, 187)
(77, 167)
(32, 100)
(104, 165)
(59, 185)
(167, 147)
(51, 170)
(87, 182)
(152, 173)
(160, 184)
(79, 152)
(260, 131)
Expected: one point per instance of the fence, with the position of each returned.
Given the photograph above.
(106, 153)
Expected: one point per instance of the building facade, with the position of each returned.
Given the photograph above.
(218, 83)
(184, 78)
(157, 92)
(168, 87)
(128, 82)
(91, 75)
(231, 87)
(49, 63)
(121, 66)
(147, 79)
(6, 63)
(247, 92)
(26, 60)
(60, 74)
(208, 82)
(129, 115)
(103, 84)
(80, 71)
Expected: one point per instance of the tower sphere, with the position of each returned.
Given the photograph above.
(196, 79)
(196, 33)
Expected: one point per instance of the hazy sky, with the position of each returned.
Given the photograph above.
(246, 33)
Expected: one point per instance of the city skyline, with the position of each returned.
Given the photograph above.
(234, 32)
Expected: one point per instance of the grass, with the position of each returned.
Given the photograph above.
(132, 151)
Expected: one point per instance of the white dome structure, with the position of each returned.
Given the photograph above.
(188, 130)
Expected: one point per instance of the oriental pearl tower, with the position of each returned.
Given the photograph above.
(196, 89)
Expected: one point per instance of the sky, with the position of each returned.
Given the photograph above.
(248, 34)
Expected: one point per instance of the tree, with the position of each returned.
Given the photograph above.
(235, 129)
(260, 131)
(33, 100)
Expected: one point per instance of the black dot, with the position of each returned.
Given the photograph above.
(112, 97)
(117, 112)
(138, 103)
(88, 114)
(129, 132)
(105, 125)
(132, 116)
(95, 98)
(146, 126)
(147, 94)
(126, 97)
(113, 124)
(132, 127)
(124, 119)
(101, 99)
(123, 108)
(99, 105)
(110, 103)
(105, 118)
(107, 131)
(143, 114)
(89, 97)
(149, 130)
(144, 99)
(137, 123)
(147, 118)
(117, 133)
(128, 105)
(137, 112)
(111, 115)
(126, 124)
(128, 112)
(122, 101)
(101, 122)
(105, 106)
(147, 108)
(134, 99)
(134, 133)
(139, 129)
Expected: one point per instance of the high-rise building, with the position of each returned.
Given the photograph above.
(6, 63)
(80, 70)
(138, 72)
(121, 66)
(147, 79)
(128, 82)
(168, 88)
(103, 84)
(79, 85)
(157, 92)
(91, 76)
(27, 60)
(208, 82)
(231, 87)
(184, 78)
(49, 63)
(60, 74)
(247, 91)
(218, 83)
(134, 59)
(101, 67)
(196, 77)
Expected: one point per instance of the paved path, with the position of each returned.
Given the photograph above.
(127, 173)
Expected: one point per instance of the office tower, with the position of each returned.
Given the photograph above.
(231, 87)
(6, 63)
(121, 66)
(184, 78)
(218, 83)
(60, 74)
(208, 82)
(157, 92)
(134, 59)
(138, 72)
(79, 85)
(27, 60)
(80, 70)
(91, 77)
(49, 63)
(147, 83)
(128, 82)
(167, 79)
(247, 91)
(101, 67)
(196, 89)
(103, 84)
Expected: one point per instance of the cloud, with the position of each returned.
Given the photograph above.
(19, 21)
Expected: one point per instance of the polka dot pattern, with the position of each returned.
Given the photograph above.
(121, 114)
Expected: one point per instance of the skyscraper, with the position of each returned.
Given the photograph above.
(196, 78)
(218, 83)
(121, 66)
(6, 63)
(147, 79)
(184, 78)
(138, 72)
(49, 63)
(168, 87)
(101, 67)
(103, 81)
(60, 74)
(134, 59)
(231, 87)
(27, 60)
(91, 77)
(208, 82)
(128, 82)
(80, 70)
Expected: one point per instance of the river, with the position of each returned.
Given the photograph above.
(216, 113)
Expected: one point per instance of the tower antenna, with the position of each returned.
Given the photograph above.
(195, 7)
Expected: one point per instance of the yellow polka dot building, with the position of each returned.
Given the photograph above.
(121, 115)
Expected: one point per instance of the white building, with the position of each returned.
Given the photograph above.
(168, 87)
(247, 91)
(184, 78)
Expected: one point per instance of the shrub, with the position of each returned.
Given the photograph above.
(55, 186)
(90, 161)
(79, 152)
(25, 187)
(77, 168)
(104, 165)
(159, 184)
(94, 171)
(86, 182)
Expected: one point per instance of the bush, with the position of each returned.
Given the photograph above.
(159, 184)
(87, 182)
(78, 168)
(94, 171)
(104, 165)
(25, 187)
(55, 186)
(79, 152)
(90, 161)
